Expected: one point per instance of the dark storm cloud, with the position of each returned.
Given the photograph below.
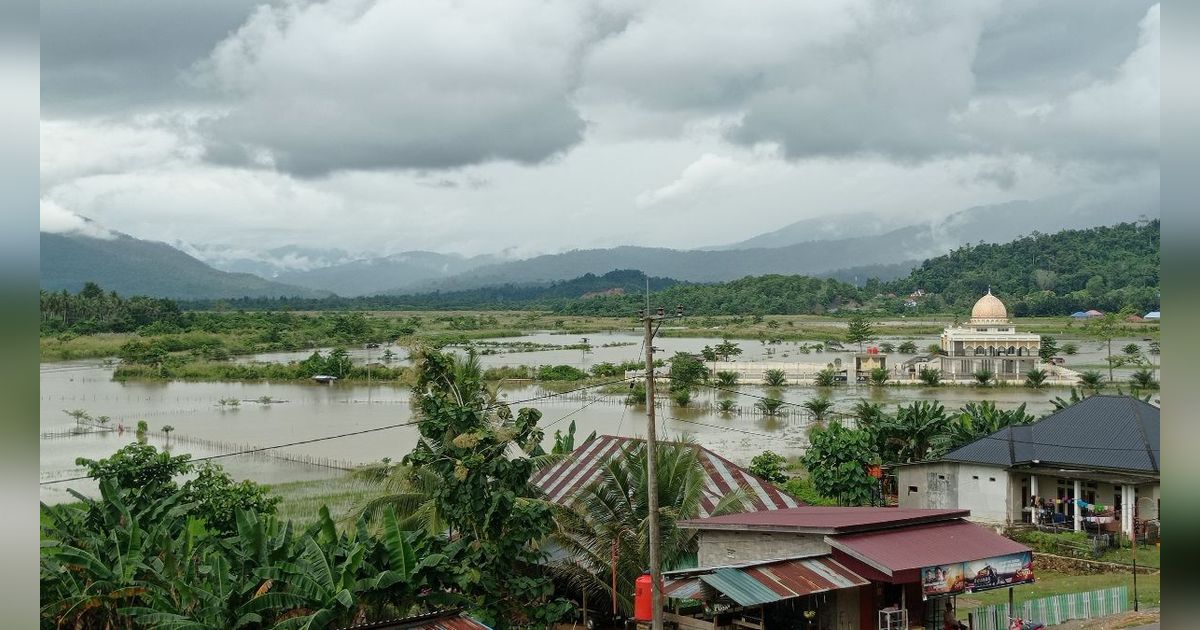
(103, 58)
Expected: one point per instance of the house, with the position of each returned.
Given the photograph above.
(1155, 315)
(861, 568)
(1079, 315)
(563, 481)
(1094, 313)
(1093, 465)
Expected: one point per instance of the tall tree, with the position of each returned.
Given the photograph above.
(1106, 328)
(860, 330)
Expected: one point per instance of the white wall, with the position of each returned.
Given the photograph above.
(947, 485)
(725, 547)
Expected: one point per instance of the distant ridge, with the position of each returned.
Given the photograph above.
(132, 266)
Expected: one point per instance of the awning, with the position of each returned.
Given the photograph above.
(908, 548)
(761, 583)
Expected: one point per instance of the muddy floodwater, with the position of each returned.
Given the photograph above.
(304, 411)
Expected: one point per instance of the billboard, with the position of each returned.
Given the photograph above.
(977, 575)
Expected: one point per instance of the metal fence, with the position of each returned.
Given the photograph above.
(1055, 610)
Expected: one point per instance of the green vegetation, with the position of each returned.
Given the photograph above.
(774, 378)
(802, 488)
(860, 330)
(1103, 268)
(769, 465)
(837, 460)
(930, 376)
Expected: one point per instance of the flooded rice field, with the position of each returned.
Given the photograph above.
(204, 426)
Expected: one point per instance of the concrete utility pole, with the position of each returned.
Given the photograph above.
(656, 620)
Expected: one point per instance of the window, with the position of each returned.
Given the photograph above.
(991, 478)
(975, 477)
(912, 489)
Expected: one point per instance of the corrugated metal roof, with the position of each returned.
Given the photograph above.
(1102, 431)
(823, 519)
(764, 582)
(894, 550)
(564, 480)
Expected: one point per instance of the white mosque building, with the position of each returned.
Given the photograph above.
(988, 342)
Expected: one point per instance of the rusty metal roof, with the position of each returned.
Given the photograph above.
(895, 550)
(764, 582)
(564, 480)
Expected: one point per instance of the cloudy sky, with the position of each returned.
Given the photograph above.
(476, 126)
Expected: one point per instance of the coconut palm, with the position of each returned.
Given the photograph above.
(820, 407)
(1035, 378)
(609, 518)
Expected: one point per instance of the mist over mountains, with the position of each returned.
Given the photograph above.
(851, 247)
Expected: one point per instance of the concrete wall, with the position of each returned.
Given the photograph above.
(947, 485)
(724, 547)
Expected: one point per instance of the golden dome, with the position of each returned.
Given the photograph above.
(989, 308)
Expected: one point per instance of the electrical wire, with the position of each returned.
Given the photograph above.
(359, 432)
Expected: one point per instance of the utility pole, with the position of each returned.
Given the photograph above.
(656, 620)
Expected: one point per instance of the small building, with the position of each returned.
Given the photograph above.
(1093, 465)
(864, 362)
(989, 342)
(842, 567)
(1079, 315)
(1094, 313)
(1155, 315)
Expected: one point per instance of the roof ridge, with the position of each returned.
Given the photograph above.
(1137, 415)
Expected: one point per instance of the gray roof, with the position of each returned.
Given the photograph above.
(1100, 432)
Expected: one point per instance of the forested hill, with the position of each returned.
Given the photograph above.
(1103, 268)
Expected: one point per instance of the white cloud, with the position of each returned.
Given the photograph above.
(58, 220)
(347, 84)
(708, 172)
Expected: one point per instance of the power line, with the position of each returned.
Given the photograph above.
(260, 449)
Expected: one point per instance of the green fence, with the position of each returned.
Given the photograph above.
(1055, 610)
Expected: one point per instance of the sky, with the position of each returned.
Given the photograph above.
(538, 126)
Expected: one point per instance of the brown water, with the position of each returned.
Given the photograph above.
(308, 410)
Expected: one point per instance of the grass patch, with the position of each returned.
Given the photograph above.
(1049, 584)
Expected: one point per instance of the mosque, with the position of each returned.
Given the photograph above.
(988, 342)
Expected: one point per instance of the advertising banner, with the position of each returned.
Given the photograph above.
(978, 575)
(1000, 571)
(945, 579)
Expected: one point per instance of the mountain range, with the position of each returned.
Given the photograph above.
(132, 266)
(848, 247)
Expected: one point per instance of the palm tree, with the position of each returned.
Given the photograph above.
(983, 376)
(1070, 348)
(609, 518)
(727, 378)
(726, 406)
(1060, 403)
(826, 378)
(819, 407)
(1091, 379)
(1144, 379)
(775, 378)
(769, 406)
(167, 429)
(1035, 378)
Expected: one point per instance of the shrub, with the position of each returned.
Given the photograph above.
(1144, 379)
(770, 466)
(931, 376)
(826, 378)
(802, 488)
(560, 373)
(1035, 378)
(879, 376)
(908, 347)
(681, 396)
(726, 406)
(983, 376)
(727, 379)
(1070, 348)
